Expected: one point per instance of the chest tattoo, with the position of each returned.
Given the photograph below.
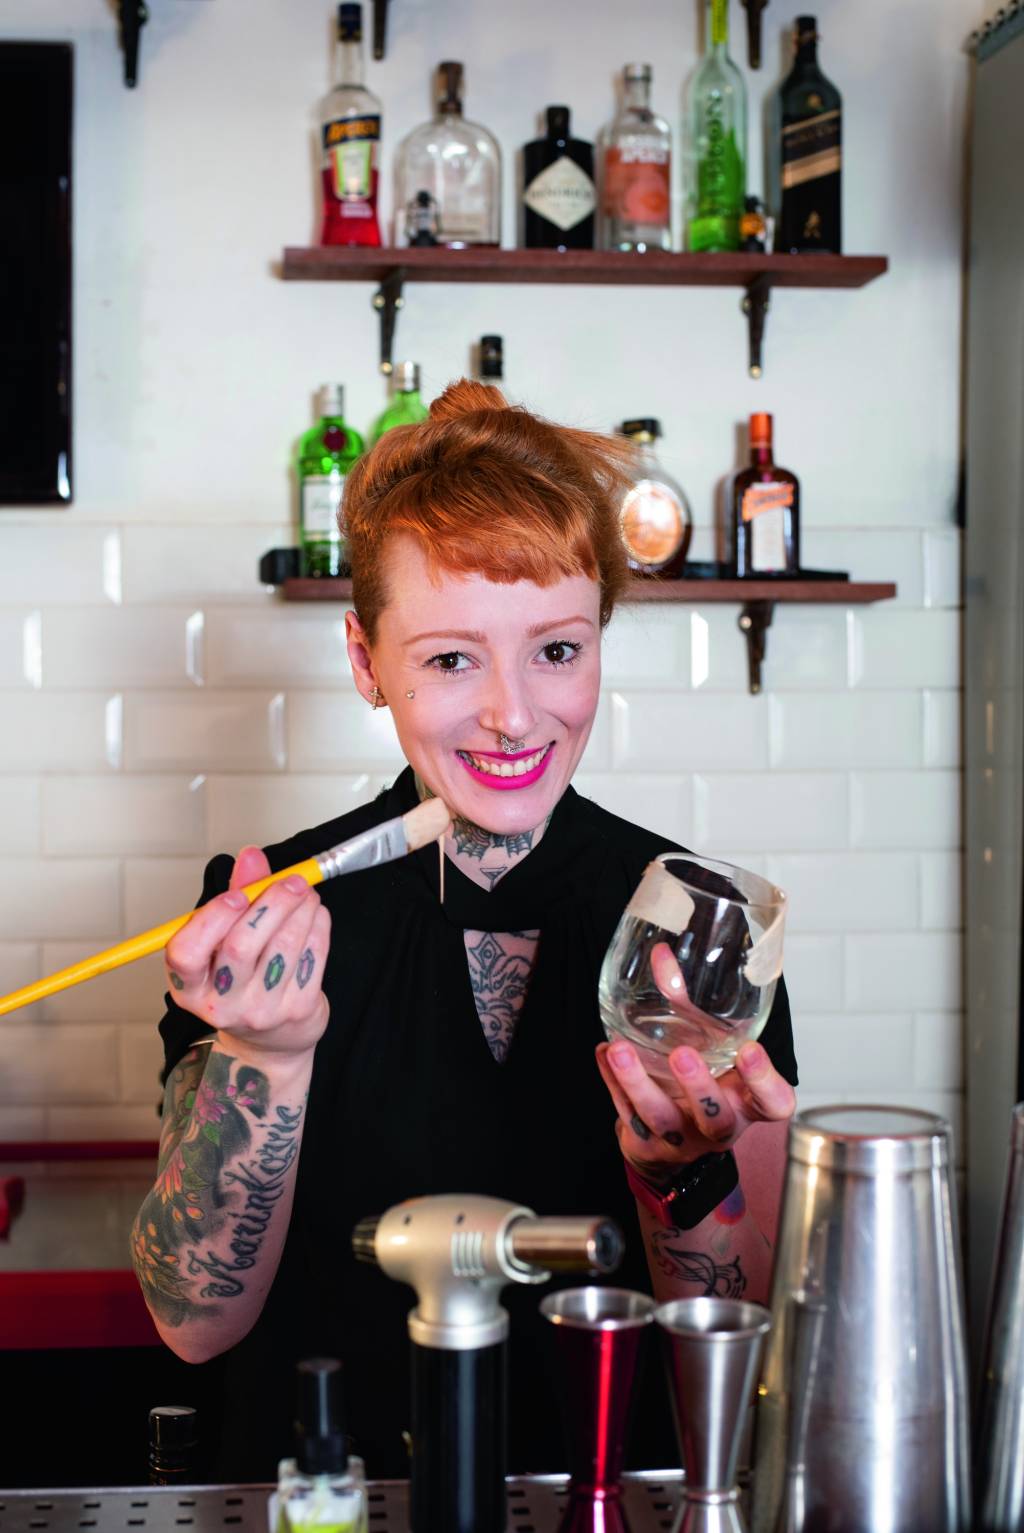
(500, 965)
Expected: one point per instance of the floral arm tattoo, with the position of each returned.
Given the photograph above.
(226, 1157)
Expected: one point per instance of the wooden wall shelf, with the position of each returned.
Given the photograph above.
(757, 598)
(756, 274)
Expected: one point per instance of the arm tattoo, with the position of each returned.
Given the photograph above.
(499, 976)
(717, 1280)
(223, 1167)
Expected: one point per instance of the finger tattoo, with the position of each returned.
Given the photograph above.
(274, 972)
(710, 1106)
(223, 980)
(639, 1127)
(673, 1138)
(176, 980)
(304, 972)
(258, 917)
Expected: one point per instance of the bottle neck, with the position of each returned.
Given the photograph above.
(638, 95)
(761, 454)
(718, 26)
(349, 63)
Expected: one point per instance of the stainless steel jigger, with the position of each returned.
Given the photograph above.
(599, 1333)
(714, 1355)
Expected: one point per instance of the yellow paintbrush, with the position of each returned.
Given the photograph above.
(383, 843)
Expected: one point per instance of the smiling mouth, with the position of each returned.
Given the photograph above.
(494, 767)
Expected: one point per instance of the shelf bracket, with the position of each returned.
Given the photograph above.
(755, 307)
(387, 300)
(755, 620)
(380, 27)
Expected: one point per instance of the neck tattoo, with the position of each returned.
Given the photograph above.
(495, 853)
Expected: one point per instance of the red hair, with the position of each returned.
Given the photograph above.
(489, 488)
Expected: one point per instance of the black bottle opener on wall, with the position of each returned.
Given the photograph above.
(132, 15)
(753, 9)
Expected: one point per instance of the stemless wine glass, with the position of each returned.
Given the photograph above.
(695, 960)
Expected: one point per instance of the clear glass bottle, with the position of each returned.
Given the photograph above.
(326, 453)
(559, 198)
(323, 1488)
(448, 176)
(405, 408)
(349, 126)
(635, 161)
(805, 152)
(655, 515)
(715, 142)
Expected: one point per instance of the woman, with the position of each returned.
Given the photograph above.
(412, 1044)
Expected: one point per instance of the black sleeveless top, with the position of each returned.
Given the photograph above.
(406, 1099)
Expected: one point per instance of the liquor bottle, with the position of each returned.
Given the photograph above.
(350, 144)
(765, 510)
(655, 515)
(406, 407)
(635, 156)
(448, 176)
(173, 1445)
(806, 148)
(326, 453)
(559, 197)
(323, 1488)
(491, 361)
(716, 141)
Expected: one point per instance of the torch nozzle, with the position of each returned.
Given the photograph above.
(584, 1244)
(364, 1239)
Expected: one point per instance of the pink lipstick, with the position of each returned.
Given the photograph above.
(492, 779)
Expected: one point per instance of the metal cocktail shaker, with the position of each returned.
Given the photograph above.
(999, 1443)
(862, 1416)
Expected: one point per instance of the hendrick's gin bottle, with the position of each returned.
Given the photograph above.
(806, 152)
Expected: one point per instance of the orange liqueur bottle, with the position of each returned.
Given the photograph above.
(765, 511)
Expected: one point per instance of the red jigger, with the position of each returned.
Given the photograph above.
(599, 1334)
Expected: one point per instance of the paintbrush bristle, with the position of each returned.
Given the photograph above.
(425, 823)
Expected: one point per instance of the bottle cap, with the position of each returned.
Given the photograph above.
(173, 1430)
(644, 425)
(449, 98)
(558, 121)
(642, 72)
(492, 357)
(330, 399)
(760, 429)
(805, 29)
(350, 22)
(406, 377)
(320, 1443)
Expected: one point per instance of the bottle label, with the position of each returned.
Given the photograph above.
(653, 524)
(351, 146)
(637, 185)
(321, 506)
(562, 193)
(811, 149)
(765, 505)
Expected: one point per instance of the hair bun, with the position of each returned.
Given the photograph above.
(464, 397)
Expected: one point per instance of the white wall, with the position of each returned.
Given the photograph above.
(159, 705)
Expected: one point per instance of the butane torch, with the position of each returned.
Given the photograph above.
(458, 1253)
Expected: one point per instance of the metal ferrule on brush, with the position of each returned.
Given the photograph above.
(379, 844)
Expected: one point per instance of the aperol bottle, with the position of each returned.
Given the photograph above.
(350, 144)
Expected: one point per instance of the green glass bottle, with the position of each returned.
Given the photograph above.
(406, 408)
(716, 142)
(326, 453)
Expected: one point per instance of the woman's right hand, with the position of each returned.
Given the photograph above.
(255, 972)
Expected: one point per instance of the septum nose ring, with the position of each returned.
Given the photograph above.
(510, 747)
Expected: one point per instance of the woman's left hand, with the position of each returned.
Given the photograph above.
(663, 1125)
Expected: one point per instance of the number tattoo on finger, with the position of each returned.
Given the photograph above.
(710, 1106)
(258, 917)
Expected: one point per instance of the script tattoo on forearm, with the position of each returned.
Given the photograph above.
(224, 1164)
(716, 1279)
(500, 964)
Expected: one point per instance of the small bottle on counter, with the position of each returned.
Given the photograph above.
(326, 453)
(765, 511)
(406, 408)
(173, 1445)
(635, 156)
(350, 144)
(323, 1488)
(655, 516)
(558, 188)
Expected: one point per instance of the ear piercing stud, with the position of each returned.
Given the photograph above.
(376, 698)
(410, 694)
